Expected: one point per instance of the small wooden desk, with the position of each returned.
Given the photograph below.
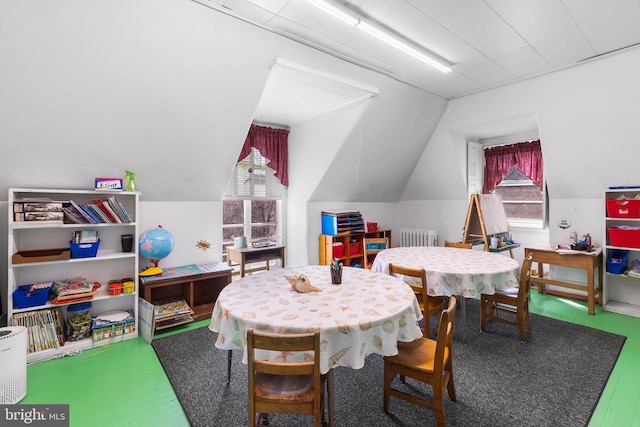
(588, 261)
(248, 255)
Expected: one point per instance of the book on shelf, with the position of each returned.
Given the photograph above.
(172, 308)
(95, 217)
(82, 212)
(172, 321)
(43, 328)
(98, 212)
(40, 216)
(105, 208)
(72, 216)
(74, 286)
(38, 210)
(119, 209)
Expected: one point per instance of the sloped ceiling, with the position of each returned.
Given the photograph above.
(488, 42)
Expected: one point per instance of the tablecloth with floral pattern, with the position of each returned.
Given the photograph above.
(454, 271)
(368, 313)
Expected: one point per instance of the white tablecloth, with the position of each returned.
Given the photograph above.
(368, 313)
(454, 271)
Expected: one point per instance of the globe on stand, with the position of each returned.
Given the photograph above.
(155, 244)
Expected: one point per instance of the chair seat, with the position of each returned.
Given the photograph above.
(417, 354)
(510, 292)
(284, 387)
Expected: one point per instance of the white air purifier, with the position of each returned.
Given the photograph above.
(13, 359)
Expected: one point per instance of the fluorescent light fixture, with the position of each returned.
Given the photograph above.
(335, 12)
(392, 41)
(352, 19)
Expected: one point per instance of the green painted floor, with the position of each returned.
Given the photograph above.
(124, 384)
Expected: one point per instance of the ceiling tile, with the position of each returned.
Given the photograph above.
(489, 42)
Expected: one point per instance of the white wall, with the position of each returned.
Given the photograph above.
(167, 89)
(586, 118)
(189, 223)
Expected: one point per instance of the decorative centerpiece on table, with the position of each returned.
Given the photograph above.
(302, 284)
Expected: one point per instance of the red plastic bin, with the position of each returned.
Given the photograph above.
(338, 250)
(623, 208)
(354, 248)
(626, 237)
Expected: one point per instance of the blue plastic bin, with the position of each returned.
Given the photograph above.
(617, 261)
(84, 250)
(23, 297)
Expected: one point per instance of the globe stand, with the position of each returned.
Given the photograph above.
(151, 271)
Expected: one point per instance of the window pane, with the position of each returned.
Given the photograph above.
(232, 212)
(228, 233)
(263, 219)
(264, 231)
(263, 211)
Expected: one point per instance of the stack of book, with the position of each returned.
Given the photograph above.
(172, 312)
(73, 290)
(634, 271)
(37, 210)
(44, 327)
(109, 211)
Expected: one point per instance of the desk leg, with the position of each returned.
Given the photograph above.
(541, 275)
(242, 261)
(590, 290)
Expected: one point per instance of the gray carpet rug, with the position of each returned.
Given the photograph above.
(555, 379)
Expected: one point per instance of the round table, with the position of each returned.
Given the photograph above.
(368, 313)
(454, 271)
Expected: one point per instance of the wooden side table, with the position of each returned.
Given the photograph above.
(244, 256)
(589, 261)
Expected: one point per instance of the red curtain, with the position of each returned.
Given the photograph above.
(272, 144)
(527, 156)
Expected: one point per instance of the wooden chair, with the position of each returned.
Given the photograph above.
(430, 306)
(427, 361)
(281, 387)
(379, 243)
(458, 245)
(514, 301)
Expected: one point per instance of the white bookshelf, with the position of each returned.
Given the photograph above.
(109, 263)
(621, 293)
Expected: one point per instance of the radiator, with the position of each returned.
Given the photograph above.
(418, 237)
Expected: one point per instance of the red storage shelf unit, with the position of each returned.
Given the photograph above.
(623, 208)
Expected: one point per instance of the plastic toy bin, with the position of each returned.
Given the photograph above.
(84, 250)
(623, 208)
(354, 248)
(338, 250)
(617, 261)
(23, 297)
(627, 237)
